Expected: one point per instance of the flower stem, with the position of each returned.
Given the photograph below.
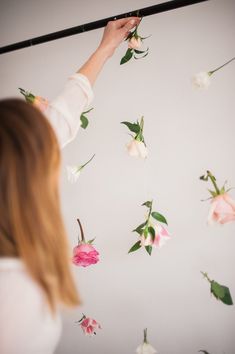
(220, 67)
(82, 233)
(87, 162)
(145, 335)
(212, 178)
(206, 276)
(150, 211)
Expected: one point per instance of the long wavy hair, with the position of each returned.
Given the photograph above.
(31, 225)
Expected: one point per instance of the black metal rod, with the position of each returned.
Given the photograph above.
(147, 11)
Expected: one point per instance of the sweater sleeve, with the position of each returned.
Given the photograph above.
(64, 111)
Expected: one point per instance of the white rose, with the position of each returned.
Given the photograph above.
(145, 348)
(201, 80)
(73, 172)
(137, 148)
(134, 43)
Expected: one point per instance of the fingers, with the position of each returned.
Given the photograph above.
(126, 23)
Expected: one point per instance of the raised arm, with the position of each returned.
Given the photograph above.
(64, 111)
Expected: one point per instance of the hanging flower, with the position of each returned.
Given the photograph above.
(89, 326)
(134, 43)
(222, 209)
(73, 172)
(38, 101)
(84, 254)
(42, 104)
(137, 147)
(151, 235)
(220, 292)
(145, 348)
(202, 79)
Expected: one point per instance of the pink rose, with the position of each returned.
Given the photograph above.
(84, 255)
(222, 209)
(137, 148)
(134, 43)
(89, 326)
(41, 103)
(161, 237)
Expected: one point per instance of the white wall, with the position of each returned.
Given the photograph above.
(186, 131)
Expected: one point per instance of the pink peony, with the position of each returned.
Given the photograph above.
(84, 255)
(161, 237)
(89, 326)
(222, 209)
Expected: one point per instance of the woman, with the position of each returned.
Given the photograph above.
(35, 273)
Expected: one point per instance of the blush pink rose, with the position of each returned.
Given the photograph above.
(134, 43)
(161, 237)
(84, 255)
(89, 326)
(41, 103)
(222, 209)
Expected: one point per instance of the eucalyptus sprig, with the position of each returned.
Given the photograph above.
(147, 228)
(134, 43)
(219, 291)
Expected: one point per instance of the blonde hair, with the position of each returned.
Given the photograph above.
(31, 225)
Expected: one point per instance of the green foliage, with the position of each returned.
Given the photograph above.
(127, 56)
(159, 217)
(135, 247)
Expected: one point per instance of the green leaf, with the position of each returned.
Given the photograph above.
(149, 249)
(139, 228)
(127, 56)
(213, 193)
(134, 127)
(152, 232)
(143, 56)
(159, 217)
(221, 293)
(84, 121)
(146, 231)
(148, 204)
(88, 111)
(135, 247)
(139, 51)
(91, 241)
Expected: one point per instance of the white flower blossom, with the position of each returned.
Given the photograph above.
(73, 172)
(137, 148)
(202, 80)
(145, 348)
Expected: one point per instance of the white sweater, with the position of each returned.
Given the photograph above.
(26, 323)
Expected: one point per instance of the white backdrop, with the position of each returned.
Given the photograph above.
(186, 131)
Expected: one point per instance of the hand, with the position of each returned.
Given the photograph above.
(115, 32)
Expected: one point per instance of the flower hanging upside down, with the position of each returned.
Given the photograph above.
(145, 347)
(88, 325)
(134, 43)
(42, 104)
(37, 101)
(73, 172)
(222, 208)
(151, 235)
(137, 147)
(202, 79)
(84, 254)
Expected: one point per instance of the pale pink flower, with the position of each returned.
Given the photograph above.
(89, 326)
(134, 43)
(84, 255)
(137, 148)
(222, 209)
(41, 103)
(161, 237)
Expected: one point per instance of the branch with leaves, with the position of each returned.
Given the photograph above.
(219, 291)
(151, 234)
